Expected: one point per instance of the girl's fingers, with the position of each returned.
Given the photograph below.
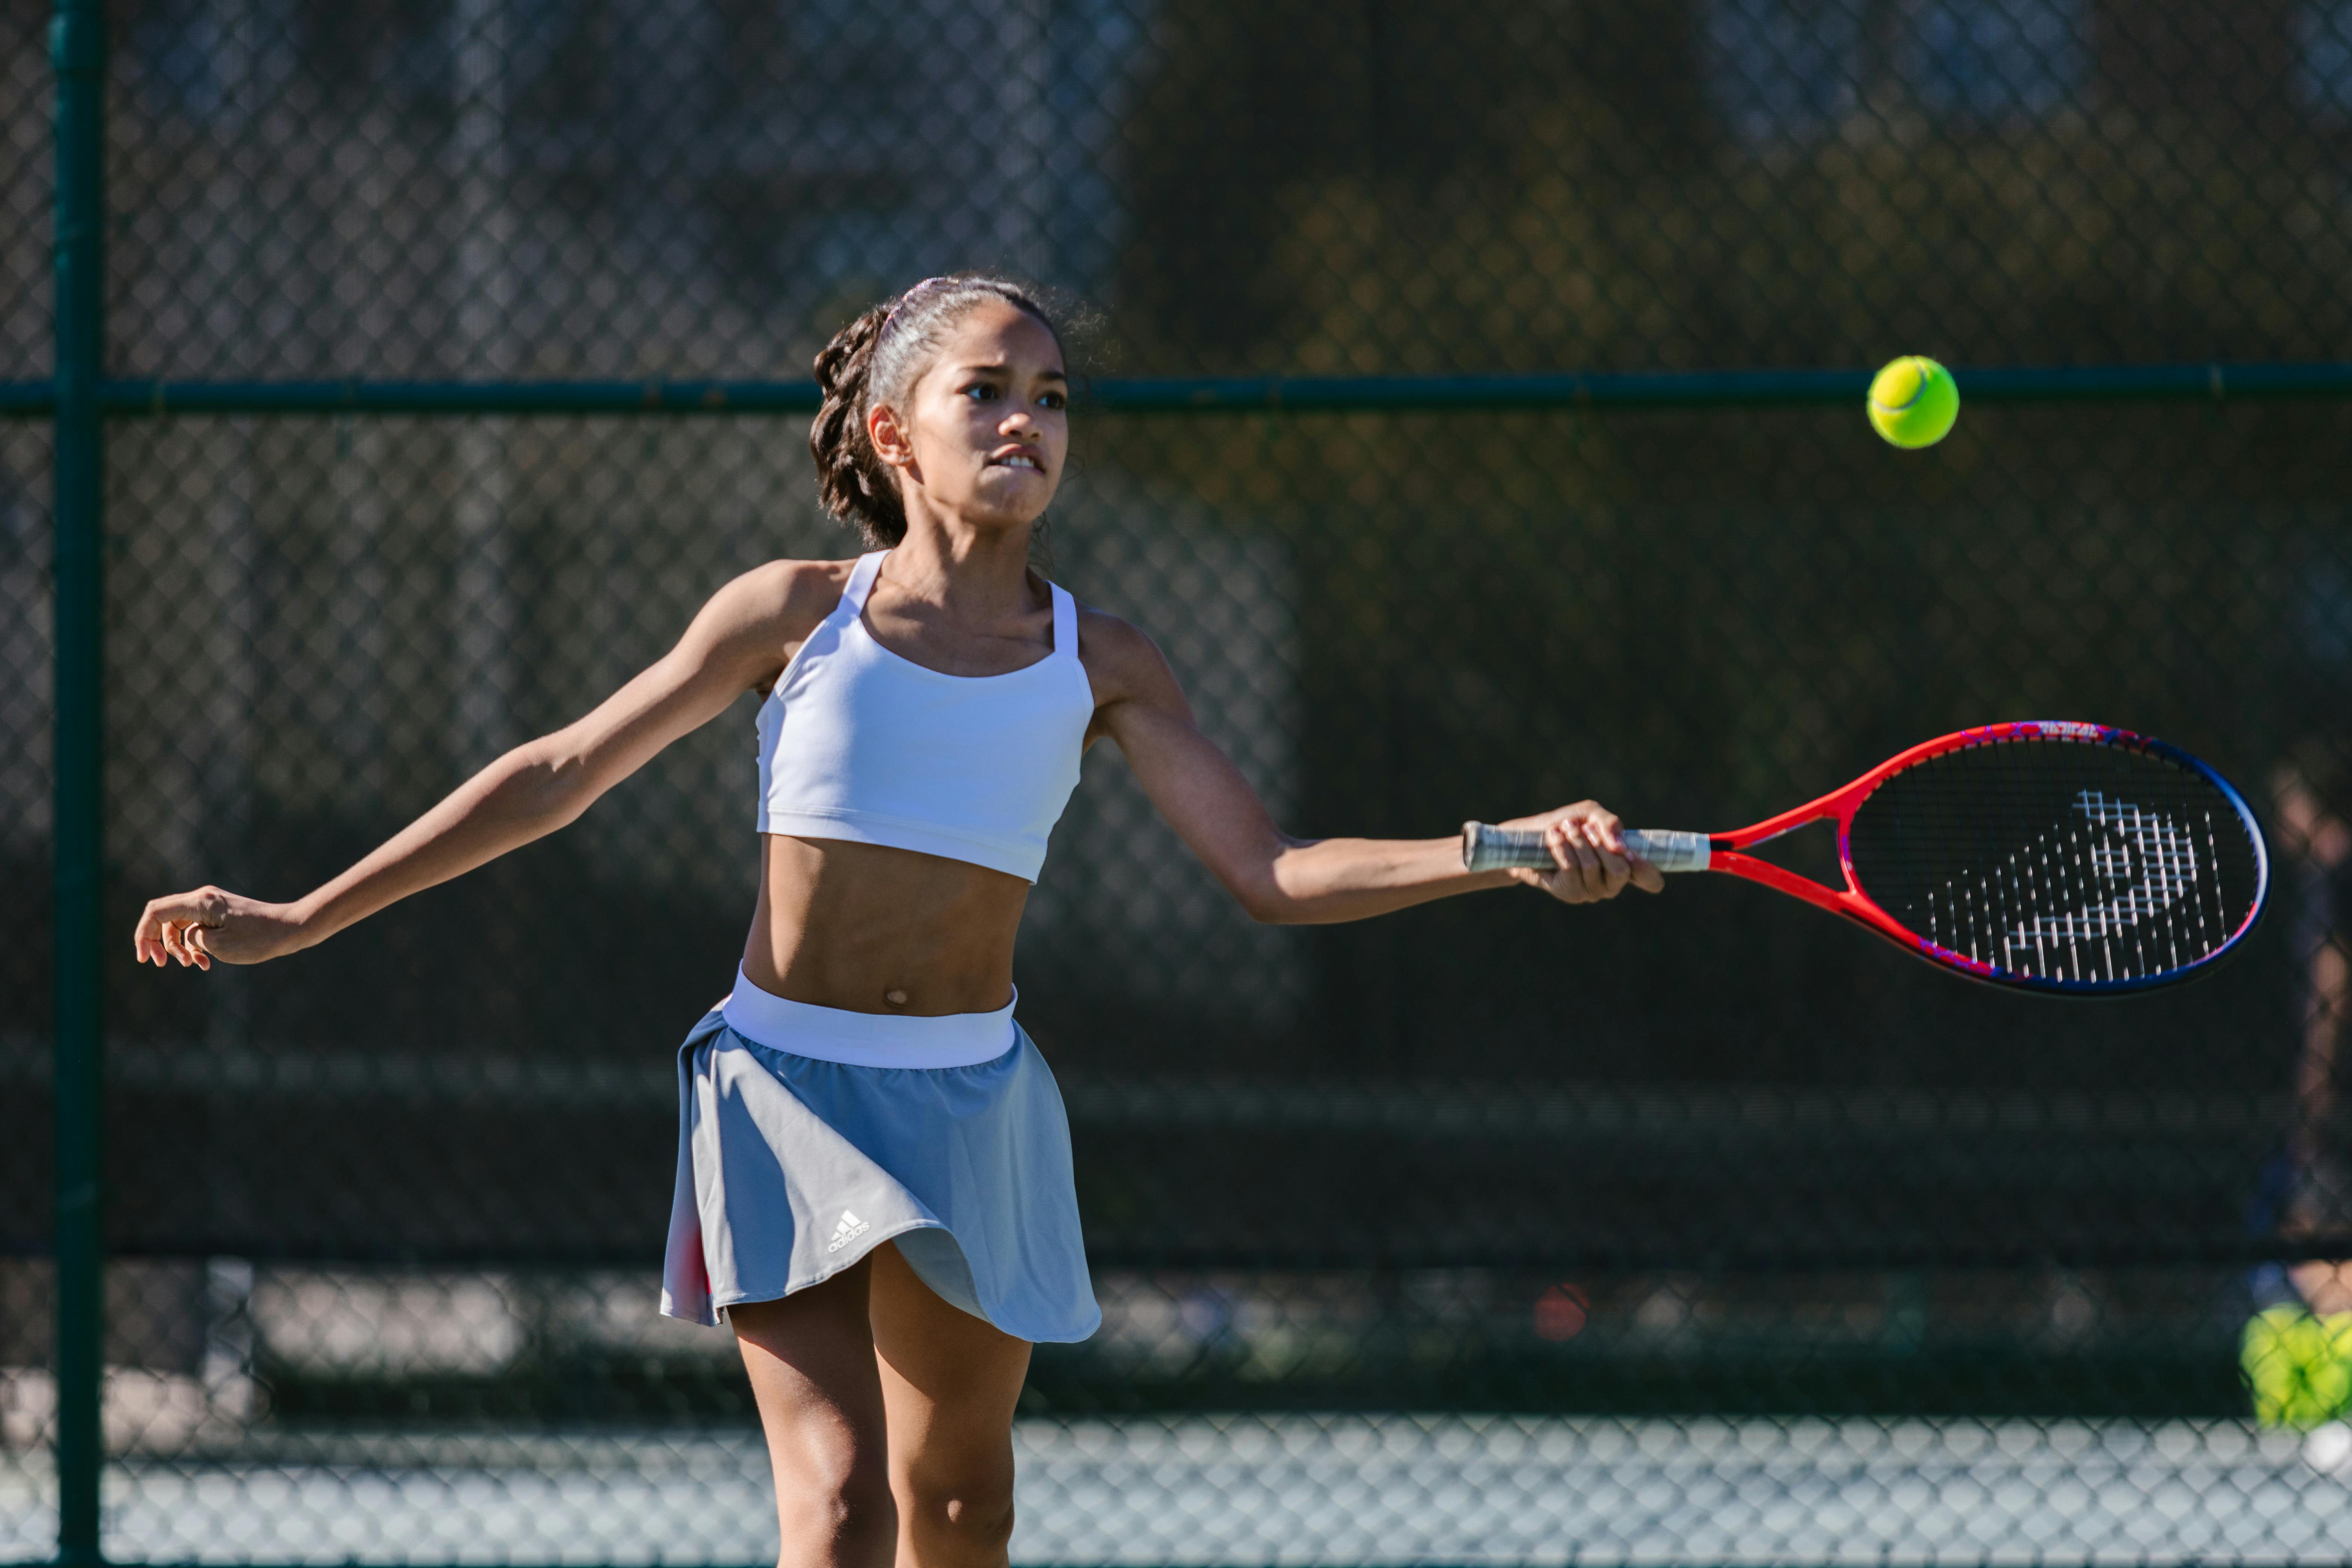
(1589, 860)
(1568, 881)
(147, 940)
(180, 939)
(1607, 832)
(155, 933)
(1597, 880)
(174, 929)
(1607, 852)
(1582, 878)
(1604, 870)
(1615, 860)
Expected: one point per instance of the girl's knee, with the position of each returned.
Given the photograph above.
(967, 1517)
(846, 1520)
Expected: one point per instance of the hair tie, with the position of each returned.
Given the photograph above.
(901, 305)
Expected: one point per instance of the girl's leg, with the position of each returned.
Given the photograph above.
(811, 1357)
(950, 1382)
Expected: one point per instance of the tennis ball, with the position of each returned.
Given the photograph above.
(1914, 400)
(2298, 1367)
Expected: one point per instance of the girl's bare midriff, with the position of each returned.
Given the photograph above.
(872, 929)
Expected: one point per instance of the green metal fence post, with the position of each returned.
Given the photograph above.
(78, 51)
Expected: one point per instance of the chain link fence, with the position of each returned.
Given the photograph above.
(1693, 1229)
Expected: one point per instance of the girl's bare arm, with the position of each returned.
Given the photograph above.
(1287, 880)
(738, 641)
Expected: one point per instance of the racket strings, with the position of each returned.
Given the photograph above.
(2146, 856)
(2059, 859)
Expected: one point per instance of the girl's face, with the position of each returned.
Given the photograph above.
(990, 425)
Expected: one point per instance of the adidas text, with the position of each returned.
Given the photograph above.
(850, 1228)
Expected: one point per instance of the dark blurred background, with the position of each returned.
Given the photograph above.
(1707, 1152)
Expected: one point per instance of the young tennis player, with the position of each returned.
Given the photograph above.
(873, 1183)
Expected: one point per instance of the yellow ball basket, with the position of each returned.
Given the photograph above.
(2297, 1367)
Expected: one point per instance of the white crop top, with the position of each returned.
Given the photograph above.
(859, 743)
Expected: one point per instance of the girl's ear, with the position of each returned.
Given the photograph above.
(888, 439)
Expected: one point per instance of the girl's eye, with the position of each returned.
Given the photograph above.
(1053, 400)
(981, 392)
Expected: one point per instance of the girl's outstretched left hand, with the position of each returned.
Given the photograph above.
(211, 924)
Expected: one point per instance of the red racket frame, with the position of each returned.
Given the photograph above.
(1725, 851)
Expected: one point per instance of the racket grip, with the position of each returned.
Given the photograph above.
(1486, 847)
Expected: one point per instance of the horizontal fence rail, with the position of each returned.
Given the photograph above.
(1997, 385)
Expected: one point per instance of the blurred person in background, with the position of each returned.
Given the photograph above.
(2297, 1350)
(873, 1184)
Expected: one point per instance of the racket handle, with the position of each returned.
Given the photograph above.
(1486, 847)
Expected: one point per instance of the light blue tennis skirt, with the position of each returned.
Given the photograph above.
(805, 1141)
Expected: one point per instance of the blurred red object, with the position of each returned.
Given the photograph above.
(1562, 1312)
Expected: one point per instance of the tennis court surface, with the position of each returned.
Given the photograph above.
(1304, 1490)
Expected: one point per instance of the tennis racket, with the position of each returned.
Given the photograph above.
(2062, 858)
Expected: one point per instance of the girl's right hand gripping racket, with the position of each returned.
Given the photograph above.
(2050, 856)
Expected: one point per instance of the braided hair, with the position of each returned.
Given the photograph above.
(875, 362)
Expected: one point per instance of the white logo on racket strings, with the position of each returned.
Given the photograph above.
(850, 1228)
(2144, 845)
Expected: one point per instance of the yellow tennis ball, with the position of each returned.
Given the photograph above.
(1914, 400)
(2298, 1367)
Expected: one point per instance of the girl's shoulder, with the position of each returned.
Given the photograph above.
(1107, 637)
(757, 620)
(1120, 659)
(785, 593)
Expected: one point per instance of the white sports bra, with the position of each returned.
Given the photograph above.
(859, 743)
